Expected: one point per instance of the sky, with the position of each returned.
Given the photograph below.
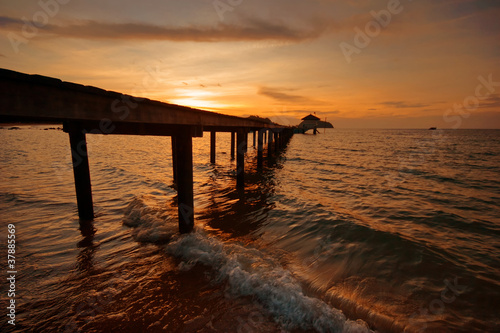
(357, 63)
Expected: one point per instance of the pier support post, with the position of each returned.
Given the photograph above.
(269, 143)
(276, 142)
(174, 158)
(254, 138)
(184, 147)
(212, 147)
(260, 147)
(232, 144)
(245, 149)
(240, 158)
(81, 170)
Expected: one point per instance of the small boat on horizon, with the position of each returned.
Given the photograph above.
(433, 128)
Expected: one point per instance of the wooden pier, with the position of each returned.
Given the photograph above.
(88, 110)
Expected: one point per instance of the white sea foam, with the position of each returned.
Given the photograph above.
(150, 224)
(250, 272)
(247, 271)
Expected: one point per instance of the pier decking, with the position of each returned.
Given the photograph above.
(88, 110)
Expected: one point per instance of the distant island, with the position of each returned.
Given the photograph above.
(265, 120)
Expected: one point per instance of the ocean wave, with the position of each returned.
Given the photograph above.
(150, 224)
(250, 272)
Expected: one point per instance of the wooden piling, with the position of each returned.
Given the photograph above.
(276, 143)
(81, 170)
(232, 144)
(184, 148)
(269, 143)
(240, 157)
(260, 148)
(253, 139)
(245, 149)
(174, 158)
(212, 147)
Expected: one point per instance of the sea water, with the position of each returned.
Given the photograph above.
(344, 231)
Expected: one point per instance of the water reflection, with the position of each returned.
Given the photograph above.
(241, 212)
(85, 258)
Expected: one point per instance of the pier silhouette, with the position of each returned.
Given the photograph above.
(89, 110)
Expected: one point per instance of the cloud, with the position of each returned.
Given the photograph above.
(280, 95)
(8, 21)
(492, 101)
(250, 30)
(403, 105)
(317, 112)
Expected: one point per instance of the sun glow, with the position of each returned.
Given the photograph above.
(195, 103)
(197, 98)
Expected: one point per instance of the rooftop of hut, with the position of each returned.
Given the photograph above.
(310, 117)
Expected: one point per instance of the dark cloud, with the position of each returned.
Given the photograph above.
(403, 105)
(316, 112)
(280, 95)
(249, 30)
(491, 101)
(8, 21)
(465, 8)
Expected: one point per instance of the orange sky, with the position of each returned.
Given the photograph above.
(359, 63)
